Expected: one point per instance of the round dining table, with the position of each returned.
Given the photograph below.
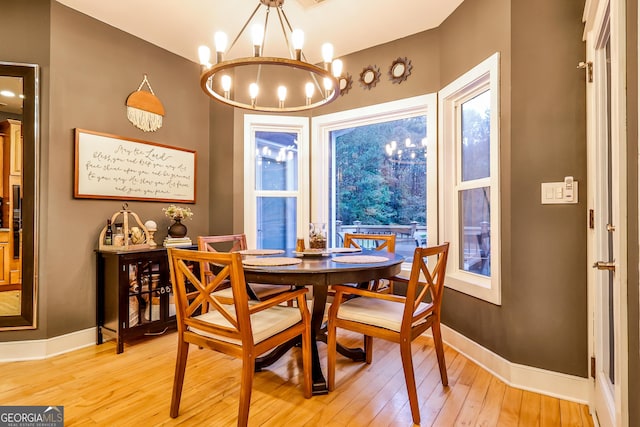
(320, 271)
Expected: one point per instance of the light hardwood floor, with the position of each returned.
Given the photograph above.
(98, 387)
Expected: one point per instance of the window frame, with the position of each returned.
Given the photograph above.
(270, 123)
(322, 126)
(483, 77)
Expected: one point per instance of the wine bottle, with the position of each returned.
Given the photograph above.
(108, 235)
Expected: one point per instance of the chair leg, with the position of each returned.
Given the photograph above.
(368, 349)
(407, 366)
(178, 378)
(246, 386)
(437, 341)
(306, 362)
(331, 355)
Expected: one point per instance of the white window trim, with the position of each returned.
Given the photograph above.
(322, 126)
(255, 123)
(482, 77)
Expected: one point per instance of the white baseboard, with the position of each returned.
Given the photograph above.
(562, 386)
(13, 351)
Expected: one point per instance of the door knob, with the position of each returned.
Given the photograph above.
(604, 265)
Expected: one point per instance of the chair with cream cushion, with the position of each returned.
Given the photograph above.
(242, 330)
(378, 242)
(395, 318)
(236, 243)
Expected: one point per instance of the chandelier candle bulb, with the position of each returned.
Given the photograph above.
(327, 54)
(204, 54)
(336, 68)
(226, 85)
(282, 95)
(220, 40)
(253, 93)
(309, 89)
(297, 40)
(328, 85)
(257, 36)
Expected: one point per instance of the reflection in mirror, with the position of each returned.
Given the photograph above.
(345, 84)
(400, 70)
(369, 77)
(18, 169)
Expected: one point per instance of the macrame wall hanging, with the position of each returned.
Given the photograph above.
(144, 109)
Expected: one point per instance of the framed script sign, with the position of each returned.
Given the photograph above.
(114, 167)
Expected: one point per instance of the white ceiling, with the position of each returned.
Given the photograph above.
(350, 25)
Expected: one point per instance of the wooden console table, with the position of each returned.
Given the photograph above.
(134, 295)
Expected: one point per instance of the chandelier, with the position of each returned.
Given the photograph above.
(269, 83)
(407, 153)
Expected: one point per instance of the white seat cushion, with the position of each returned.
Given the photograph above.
(264, 324)
(223, 293)
(376, 312)
(261, 290)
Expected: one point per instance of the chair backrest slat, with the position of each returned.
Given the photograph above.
(222, 243)
(382, 241)
(433, 279)
(194, 291)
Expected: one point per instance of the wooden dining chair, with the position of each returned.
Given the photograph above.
(394, 318)
(241, 330)
(236, 243)
(378, 242)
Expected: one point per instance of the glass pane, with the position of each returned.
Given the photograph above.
(378, 180)
(277, 161)
(276, 222)
(475, 233)
(475, 150)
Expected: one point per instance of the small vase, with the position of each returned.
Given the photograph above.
(318, 235)
(177, 229)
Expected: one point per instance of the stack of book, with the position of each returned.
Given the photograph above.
(177, 241)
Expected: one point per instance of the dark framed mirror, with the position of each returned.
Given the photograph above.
(369, 77)
(19, 130)
(400, 70)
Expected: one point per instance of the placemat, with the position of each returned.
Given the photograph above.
(312, 252)
(261, 251)
(271, 261)
(360, 259)
(343, 250)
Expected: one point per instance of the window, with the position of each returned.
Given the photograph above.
(276, 183)
(469, 165)
(376, 172)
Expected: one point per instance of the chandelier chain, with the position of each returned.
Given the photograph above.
(244, 27)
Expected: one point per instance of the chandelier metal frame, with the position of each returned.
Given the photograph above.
(298, 61)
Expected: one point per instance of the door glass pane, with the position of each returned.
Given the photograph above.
(475, 236)
(276, 161)
(476, 137)
(276, 217)
(378, 180)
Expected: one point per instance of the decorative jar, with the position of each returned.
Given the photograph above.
(317, 235)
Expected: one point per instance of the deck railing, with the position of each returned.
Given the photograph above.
(476, 245)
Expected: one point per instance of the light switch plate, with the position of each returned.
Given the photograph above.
(555, 193)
